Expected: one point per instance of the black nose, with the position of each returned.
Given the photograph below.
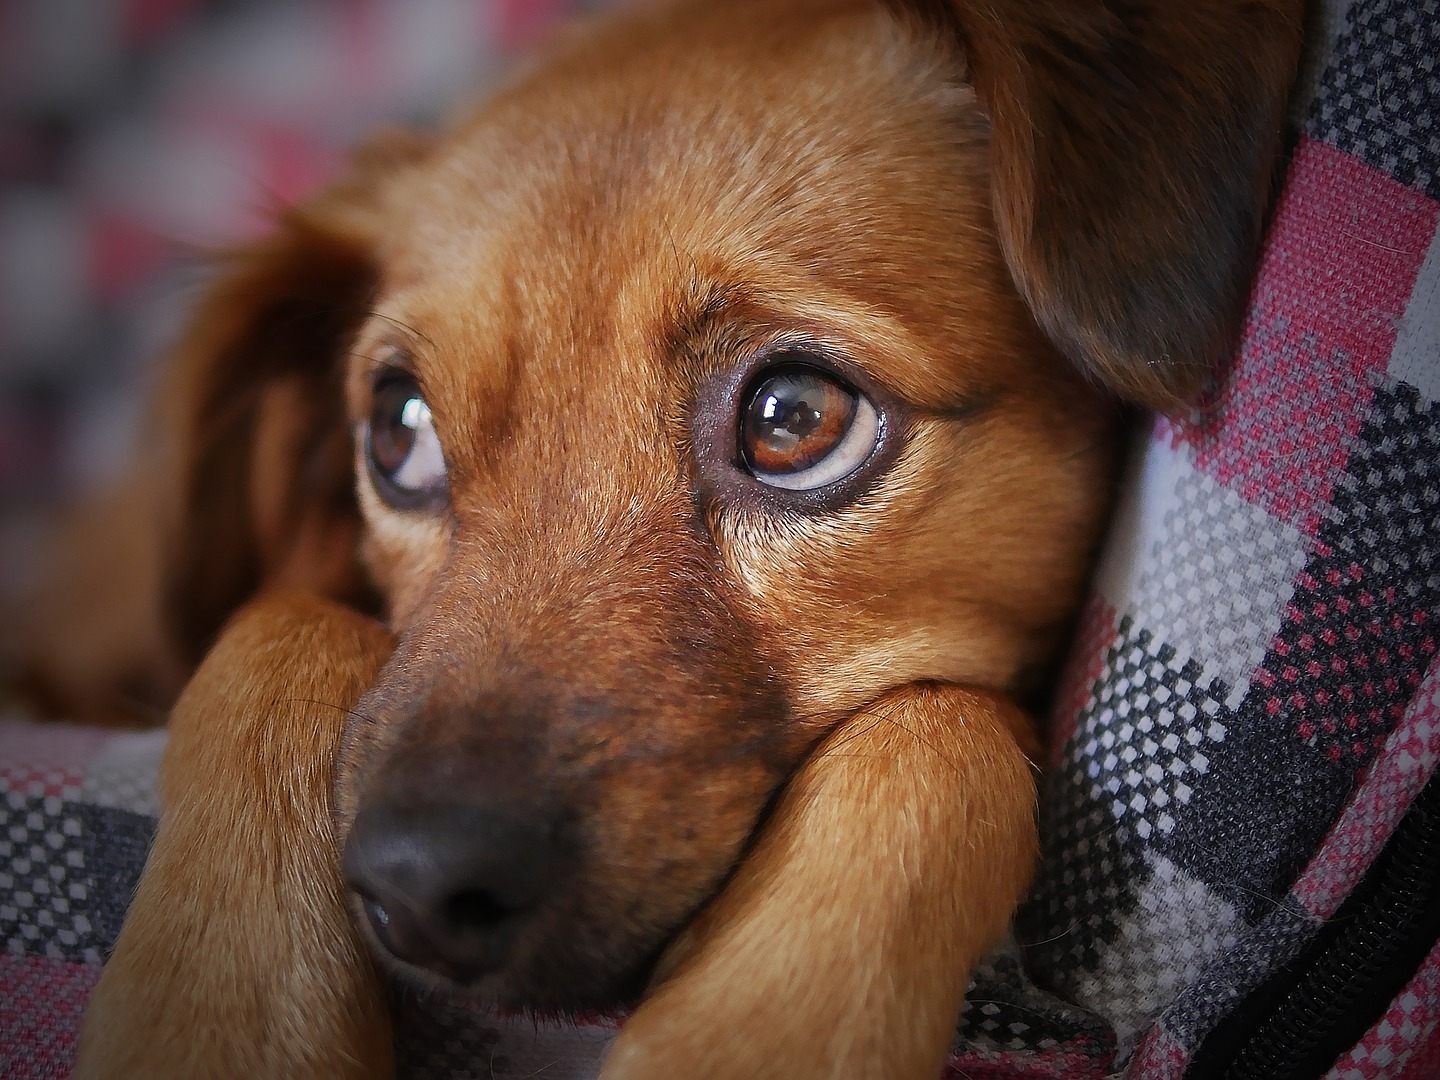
(447, 885)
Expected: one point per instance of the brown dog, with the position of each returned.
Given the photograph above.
(697, 411)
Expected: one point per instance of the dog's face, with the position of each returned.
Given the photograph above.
(689, 403)
(696, 410)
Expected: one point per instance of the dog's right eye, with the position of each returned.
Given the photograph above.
(406, 463)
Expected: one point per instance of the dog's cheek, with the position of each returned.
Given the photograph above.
(373, 728)
(358, 748)
(834, 599)
(663, 841)
(959, 568)
(403, 555)
(666, 794)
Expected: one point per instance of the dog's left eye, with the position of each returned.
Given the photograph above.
(404, 453)
(804, 429)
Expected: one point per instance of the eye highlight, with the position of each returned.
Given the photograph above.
(402, 449)
(803, 429)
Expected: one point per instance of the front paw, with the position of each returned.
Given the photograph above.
(238, 957)
(843, 944)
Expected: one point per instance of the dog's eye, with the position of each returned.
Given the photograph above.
(406, 461)
(804, 429)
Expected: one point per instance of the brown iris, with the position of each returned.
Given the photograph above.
(406, 463)
(394, 417)
(797, 416)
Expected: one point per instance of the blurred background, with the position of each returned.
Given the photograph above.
(138, 135)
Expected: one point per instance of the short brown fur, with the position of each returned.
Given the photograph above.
(748, 706)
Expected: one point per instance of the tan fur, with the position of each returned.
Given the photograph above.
(236, 958)
(602, 615)
(843, 945)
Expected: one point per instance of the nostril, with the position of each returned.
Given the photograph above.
(379, 918)
(396, 931)
(450, 887)
(378, 915)
(476, 909)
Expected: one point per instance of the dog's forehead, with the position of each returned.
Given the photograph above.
(555, 251)
(819, 134)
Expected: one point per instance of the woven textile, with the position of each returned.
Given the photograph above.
(1251, 704)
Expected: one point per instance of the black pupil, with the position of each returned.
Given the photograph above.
(785, 422)
(396, 414)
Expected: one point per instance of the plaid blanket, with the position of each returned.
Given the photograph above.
(1247, 730)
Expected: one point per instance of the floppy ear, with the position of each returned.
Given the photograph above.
(1132, 148)
(253, 418)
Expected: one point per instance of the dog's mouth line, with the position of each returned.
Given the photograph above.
(492, 992)
(503, 987)
(487, 991)
(436, 980)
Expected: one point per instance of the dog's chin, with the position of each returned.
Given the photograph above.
(557, 979)
(507, 991)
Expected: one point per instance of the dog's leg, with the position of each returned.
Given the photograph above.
(237, 957)
(842, 948)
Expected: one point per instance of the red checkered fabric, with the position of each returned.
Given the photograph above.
(1251, 709)
(1404, 1044)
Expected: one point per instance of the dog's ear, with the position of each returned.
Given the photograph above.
(1132, 146)
(253, 422)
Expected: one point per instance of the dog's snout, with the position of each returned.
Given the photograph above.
(446, 886)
